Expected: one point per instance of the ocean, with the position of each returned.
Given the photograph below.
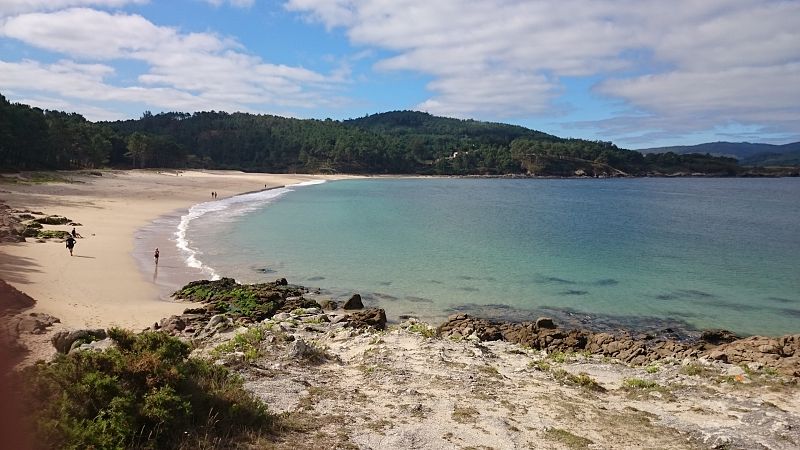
(676, 252)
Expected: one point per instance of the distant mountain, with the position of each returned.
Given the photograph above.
(746, 152)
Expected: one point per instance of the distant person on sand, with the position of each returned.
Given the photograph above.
(155, 255)
(70, 244)
(74, 232)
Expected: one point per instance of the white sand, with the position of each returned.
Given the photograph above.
(101, 285)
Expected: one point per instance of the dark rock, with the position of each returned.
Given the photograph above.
(53, 220)
(281, 282)
(64, 340)
(172, 324)
(717, 337)
(354, 302)
(372, 317)
(545, 322)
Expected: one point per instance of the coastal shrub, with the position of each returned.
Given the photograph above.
(582, 379)
(540, 365)
(146, 393)
(248, 342)
(693, 369)
(638, 383)
(567, 438)
(422, 329)
(557, 356)
(652, 368)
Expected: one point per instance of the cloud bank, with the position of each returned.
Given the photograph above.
(184, 71)
(681, 66)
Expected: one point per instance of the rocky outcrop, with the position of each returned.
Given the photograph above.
(781, 354)
(245, 302)
(372, 317)
(354, 302)
(53, 220)
(65, 341)
(11, 227)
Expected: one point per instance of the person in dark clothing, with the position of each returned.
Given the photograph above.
(70, 244)
(155, 255)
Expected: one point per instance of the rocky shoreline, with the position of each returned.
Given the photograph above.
(234, 303)
(340, 376)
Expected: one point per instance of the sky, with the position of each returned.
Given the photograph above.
(640, 73)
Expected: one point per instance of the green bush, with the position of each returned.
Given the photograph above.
(145, 394)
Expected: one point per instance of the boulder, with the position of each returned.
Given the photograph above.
(172, 324)
(328, 304)
(717, 337)
(65, 340)
(545, 323)
(96, 346)
(35, 323)
(372, 317)
(53, 220)
(216, 324)
(354, 302)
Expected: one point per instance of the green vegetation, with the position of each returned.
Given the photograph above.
(422, 329)
(693, 369)
(637, 383)
(540, 365)
(582, 379)
(652, 368)
(51, 234)
(557, 356)
(567, 438)
(144, 394)
(392, 142)
(248, 343)
(252, 301)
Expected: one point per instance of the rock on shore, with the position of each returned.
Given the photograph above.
(781, 354)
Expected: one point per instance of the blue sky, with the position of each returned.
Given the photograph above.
(641, 73)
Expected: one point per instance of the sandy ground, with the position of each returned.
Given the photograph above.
(405, 388)
(101, 286)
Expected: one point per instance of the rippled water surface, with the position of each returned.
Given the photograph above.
(709, 252)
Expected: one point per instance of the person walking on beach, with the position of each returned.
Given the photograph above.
(70, 244)
(155, 255)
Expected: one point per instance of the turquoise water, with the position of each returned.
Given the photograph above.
(708, 252)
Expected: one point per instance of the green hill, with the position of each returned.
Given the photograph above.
(399, 142)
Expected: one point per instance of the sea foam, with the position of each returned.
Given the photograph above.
(232, 207)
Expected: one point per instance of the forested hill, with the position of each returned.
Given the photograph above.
(396, 142)
(424, 125)
(743, 151)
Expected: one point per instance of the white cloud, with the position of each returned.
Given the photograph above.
(11, 7)
(680, 65)
(234, 3)
(185, 71)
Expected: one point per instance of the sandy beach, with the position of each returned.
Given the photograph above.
(101, 286)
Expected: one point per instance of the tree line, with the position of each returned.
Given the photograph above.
(400, 142)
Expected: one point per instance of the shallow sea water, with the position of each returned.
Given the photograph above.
(721, 253)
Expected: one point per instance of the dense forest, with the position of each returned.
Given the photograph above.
(398, 142)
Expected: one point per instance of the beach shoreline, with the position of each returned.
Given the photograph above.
(101, 285)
